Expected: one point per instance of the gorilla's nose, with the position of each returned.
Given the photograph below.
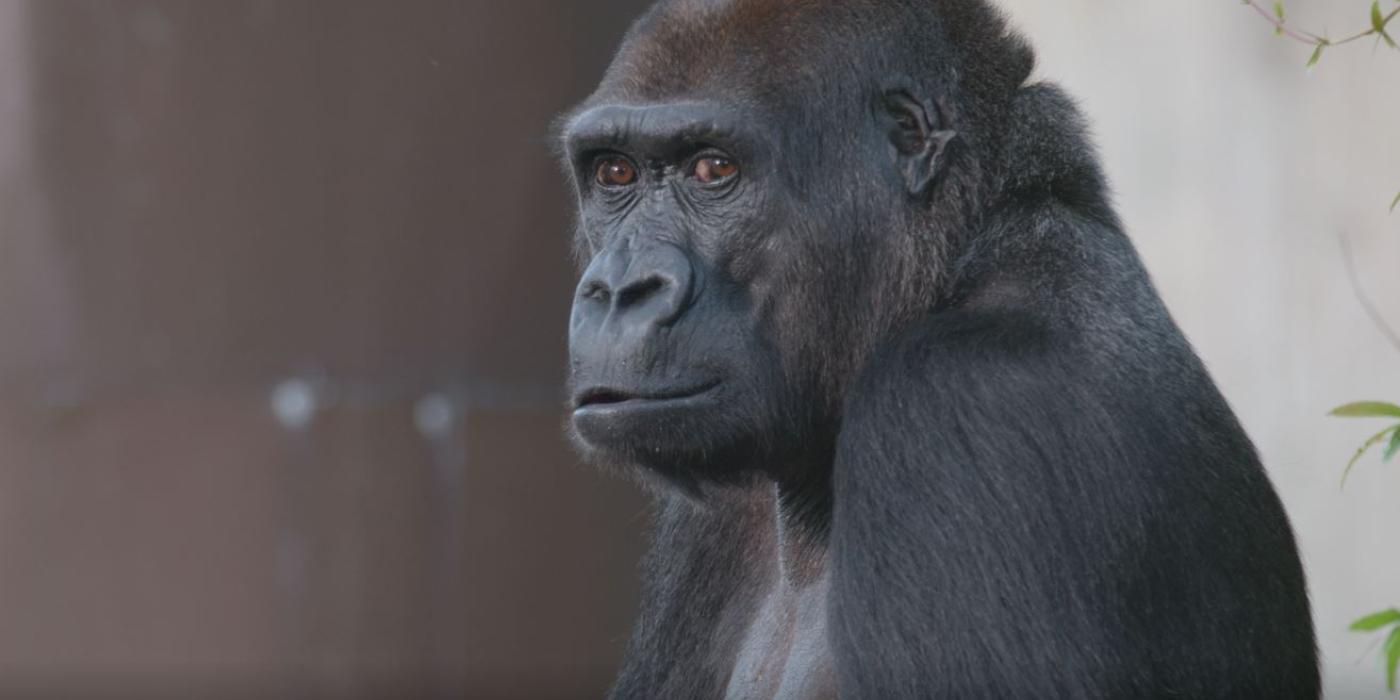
(636, 289)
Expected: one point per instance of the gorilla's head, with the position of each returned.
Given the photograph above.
(766, 190)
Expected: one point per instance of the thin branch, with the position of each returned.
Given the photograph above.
(1366, 304)
(1282, 26)
(1385, 22)
(1309, 38)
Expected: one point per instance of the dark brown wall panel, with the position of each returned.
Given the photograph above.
(353, 201)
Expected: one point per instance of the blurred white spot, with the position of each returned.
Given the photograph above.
(294, 403)
(435, 415)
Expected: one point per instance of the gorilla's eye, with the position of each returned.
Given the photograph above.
(615, 171)
(715, 168)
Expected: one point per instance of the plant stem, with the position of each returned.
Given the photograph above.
(1282, 26)
(1366, 304)
(1309, 38)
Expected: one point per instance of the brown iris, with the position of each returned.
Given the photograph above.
(616, 172)
(715, 168)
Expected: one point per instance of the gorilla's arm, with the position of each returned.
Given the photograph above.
(1011, 522)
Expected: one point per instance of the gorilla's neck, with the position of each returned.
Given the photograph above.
(802, 519)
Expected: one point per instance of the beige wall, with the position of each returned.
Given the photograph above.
(1236, 171)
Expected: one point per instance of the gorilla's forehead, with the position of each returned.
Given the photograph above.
(689, 48)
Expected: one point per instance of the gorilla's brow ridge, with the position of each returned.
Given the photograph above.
(652, 128)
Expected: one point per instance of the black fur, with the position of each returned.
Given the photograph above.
(906, 359)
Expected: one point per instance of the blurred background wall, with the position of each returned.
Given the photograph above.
(283, 287)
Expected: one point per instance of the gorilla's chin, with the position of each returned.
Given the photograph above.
(610, 419)
(696, 436)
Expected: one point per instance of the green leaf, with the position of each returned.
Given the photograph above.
(1395, 203)
(1361, 451)
(1367, 409)
(1278, 9)
(1392, 658)
(1394, 447)
(1378, 23)
(1375, 621)
(1316, 55)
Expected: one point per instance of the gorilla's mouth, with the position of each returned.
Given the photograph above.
(609, 397)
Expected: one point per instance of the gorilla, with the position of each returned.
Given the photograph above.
(854, 305)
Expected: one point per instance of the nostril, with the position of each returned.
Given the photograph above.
(640, 290)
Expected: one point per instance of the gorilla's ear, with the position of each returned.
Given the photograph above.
(920, 135)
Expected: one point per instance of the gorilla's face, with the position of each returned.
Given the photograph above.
(747, 240)
(673, 360)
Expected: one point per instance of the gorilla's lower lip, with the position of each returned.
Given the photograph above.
(600, 398)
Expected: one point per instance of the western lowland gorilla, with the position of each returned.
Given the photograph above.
(857, 308)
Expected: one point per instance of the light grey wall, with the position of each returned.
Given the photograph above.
(1236, 170)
